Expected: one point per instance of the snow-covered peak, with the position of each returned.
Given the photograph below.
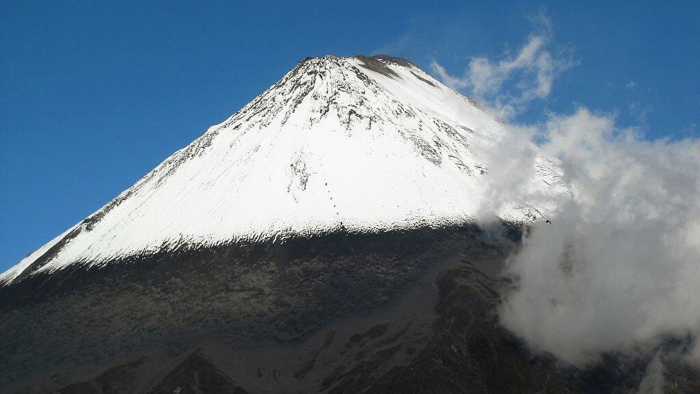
(363, 144)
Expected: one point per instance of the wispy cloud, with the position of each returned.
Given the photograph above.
(506, 86)
(653, 382)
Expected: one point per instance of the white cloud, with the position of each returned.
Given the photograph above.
(529, 74)
(620, 267)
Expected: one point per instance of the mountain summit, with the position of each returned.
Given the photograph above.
(358, 144)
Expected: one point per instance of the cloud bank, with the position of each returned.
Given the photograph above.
(619, 268)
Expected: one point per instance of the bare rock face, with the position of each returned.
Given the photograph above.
(241, 296)
(411, 311)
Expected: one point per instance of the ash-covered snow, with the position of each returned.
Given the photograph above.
(336, 144)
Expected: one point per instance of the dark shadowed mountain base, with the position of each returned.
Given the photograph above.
(398, 312)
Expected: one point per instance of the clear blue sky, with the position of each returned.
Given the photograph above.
(94, 94)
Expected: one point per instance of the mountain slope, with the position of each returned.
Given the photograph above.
(355, 144)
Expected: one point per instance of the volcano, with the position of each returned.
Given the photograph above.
(339, 144)
(324, 238)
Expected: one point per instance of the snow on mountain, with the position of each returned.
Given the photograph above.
(359, 144)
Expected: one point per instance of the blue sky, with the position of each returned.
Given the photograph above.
(95, 94)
